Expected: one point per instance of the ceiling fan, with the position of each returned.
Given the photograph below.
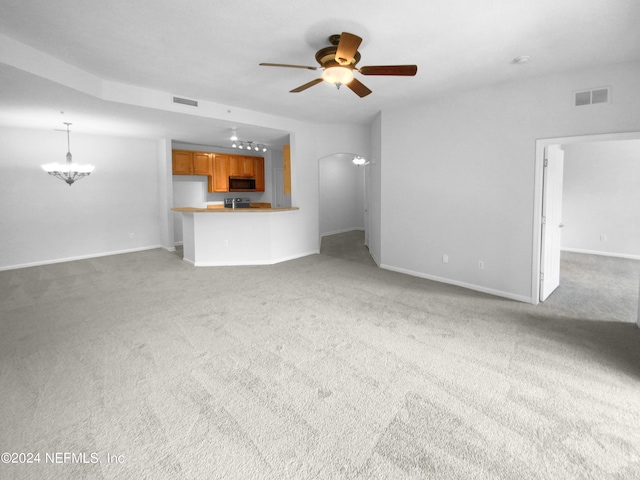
(339, 61)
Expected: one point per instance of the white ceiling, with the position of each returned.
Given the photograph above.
(210, 50)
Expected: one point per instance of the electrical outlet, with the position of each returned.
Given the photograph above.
(226, 243)
(445, 258)
(480, 265)
(603, 238)
(132, 235)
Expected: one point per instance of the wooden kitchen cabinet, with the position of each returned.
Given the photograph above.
(202, 163)
(219, 178)
(249, 166)
(186, 162)
(236, 165)
(218, 167)
(258, 164)
(242, 166)
(182, 161)
(286, 160)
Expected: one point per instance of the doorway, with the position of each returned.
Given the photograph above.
(546, 252)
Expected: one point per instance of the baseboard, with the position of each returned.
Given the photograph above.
(477, 288)
(342, 231)
(81, 257)
(602, 254)
(245, 264)
(375, 259)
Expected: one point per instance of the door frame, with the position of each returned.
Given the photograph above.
(541, 144)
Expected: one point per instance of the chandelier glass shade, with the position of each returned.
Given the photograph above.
(68, 172)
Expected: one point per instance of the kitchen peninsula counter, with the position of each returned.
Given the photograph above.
(221, 209)
(218, 236)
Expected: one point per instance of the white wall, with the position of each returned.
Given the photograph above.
(341, 194)
(374, 227)
(43, 219)
(601, 197)
(469, 191)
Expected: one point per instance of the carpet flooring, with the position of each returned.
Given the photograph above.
(317, 368)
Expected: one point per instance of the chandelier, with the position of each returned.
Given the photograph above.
(69, 171)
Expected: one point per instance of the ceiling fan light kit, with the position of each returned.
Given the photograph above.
(338, 63)
(337, 76)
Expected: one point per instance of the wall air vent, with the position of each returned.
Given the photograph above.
(592, 96)
(185, 101)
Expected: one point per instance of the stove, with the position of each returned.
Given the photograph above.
(237, 202)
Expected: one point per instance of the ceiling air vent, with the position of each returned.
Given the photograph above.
(592, 96)
(185, 101)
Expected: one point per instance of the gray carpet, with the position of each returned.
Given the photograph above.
(347, 246)
(317, 368)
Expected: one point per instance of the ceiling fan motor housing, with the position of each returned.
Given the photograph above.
(326, 57)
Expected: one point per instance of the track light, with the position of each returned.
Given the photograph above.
(249, 145)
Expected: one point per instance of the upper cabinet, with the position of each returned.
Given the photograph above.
(286, 161)
(258, 165)
(219, 178)
(225, 166)
(182, 162)
(202, 163)
(219, 167)
(186, 162)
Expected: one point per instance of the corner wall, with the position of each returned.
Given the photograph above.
(469, 192)
(45, 220)
(601, 198)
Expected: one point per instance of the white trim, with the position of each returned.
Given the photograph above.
(537, 195)
(602, 254)
(374, 258)
(244, 264)
(81, 257)
(342, 231)
(477, 288)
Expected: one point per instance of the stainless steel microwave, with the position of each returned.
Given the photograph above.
(242, 184)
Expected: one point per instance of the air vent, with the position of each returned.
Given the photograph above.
(592, 96)
(185, 101)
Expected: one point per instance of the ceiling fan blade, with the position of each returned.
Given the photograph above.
(288, 66)
(347, 48)
(401, 70)
(358, 87)
(306, 85)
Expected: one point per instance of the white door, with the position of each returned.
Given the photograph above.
(551, 220)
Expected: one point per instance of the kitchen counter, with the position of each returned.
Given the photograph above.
(221, 209)
(214, 236)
